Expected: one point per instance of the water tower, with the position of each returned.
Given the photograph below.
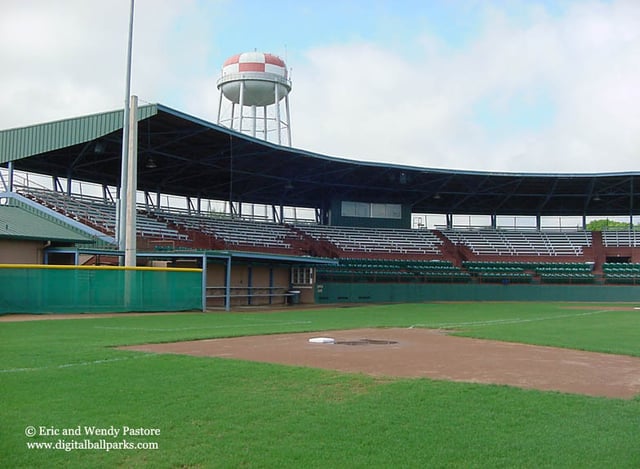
(255, 84)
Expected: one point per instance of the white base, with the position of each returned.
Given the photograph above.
(322, 340)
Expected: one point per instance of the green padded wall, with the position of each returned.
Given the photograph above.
(79, 289)
(419, 292)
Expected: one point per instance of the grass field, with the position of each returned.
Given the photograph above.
(65, 376)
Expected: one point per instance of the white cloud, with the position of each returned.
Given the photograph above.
(368, 102)
(67, 58)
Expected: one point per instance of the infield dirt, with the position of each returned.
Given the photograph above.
(433, 354)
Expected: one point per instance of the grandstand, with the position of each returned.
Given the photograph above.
(369, 254)
(361, 232)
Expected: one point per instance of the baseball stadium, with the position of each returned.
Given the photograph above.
(250, 304)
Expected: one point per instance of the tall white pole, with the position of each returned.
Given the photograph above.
(122, 203)
(132, 187)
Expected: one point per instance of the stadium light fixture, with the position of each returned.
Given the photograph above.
(151, 163)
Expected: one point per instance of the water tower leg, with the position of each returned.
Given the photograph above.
(219, 107)
(264, 116)
(288, 117)
(233, 115)
(253, 120)
(278, 128)
(241, 105)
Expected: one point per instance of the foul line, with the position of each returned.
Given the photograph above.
(509, 321)
(71, 365)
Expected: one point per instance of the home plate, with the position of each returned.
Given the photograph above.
(322, 340)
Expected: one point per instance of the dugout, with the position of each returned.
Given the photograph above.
(224, 280)
(244, 279)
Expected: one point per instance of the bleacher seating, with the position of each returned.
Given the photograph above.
(520, 243)
(354, 240)
(236, 233)
(100, 214)
(620, 238)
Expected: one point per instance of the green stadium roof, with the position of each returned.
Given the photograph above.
(195, 158)
(23, 142)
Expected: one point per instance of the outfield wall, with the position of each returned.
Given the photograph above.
(327, 292)
(89, 289)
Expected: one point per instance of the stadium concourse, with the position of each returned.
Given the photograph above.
(358, 229)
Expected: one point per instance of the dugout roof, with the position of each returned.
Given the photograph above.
(184, 155)
(18, 223)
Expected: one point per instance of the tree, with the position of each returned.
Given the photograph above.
(609, 225)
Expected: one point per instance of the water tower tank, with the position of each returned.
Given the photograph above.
(258, 81)
(261, 74)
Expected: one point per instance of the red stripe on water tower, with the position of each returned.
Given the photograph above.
(274, 60)
(251, 67)
(234, 59)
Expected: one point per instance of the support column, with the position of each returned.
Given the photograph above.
(204, 283)
(631, 203)
(132, 186)
(249, 284)
(271, 286)
(11, 176)
(227, 286)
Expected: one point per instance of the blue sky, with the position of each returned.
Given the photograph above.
(510, 85)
